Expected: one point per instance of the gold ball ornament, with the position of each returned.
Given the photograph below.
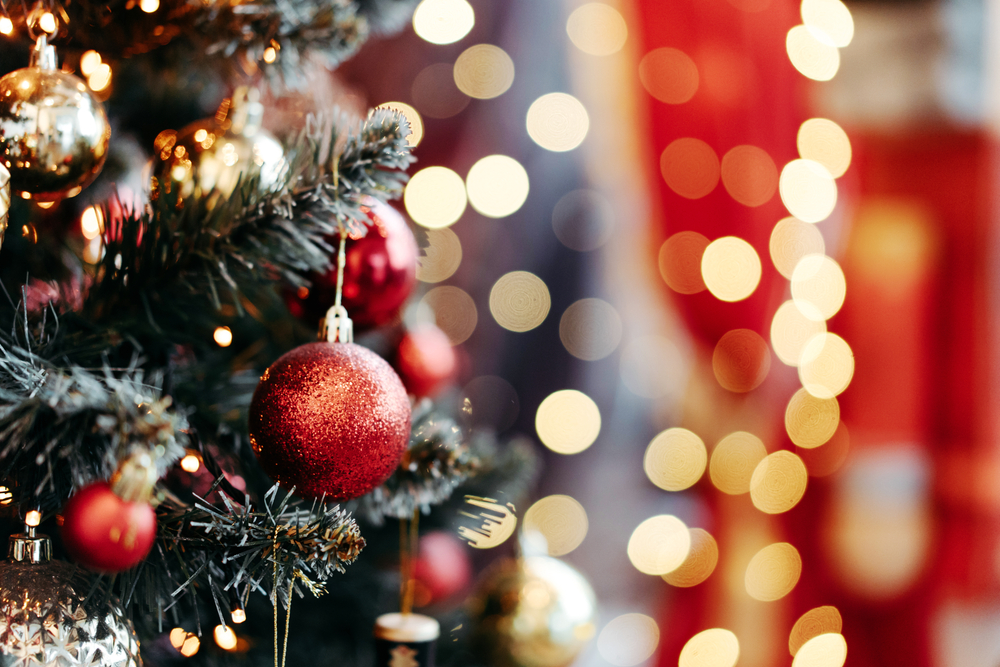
(54, 132)
(533, 612)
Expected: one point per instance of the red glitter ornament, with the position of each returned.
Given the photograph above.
(104, 532)
(426, 360)
(379, 275)
(330, 418)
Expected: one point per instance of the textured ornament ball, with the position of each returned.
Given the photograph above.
(426, 360)
(45, 621)
(330, 418)
(105, 533)
(54, 133)
(379, 274)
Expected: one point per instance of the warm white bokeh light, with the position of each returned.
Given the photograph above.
(659, 545)
(497, 186)
(484, 71)
(675, 459)
(628, 640)
(818, 287)
(519, 301)
(823, 141)
(561, 520)
(716, 647)
(829, 20)
(597, 29)
(443, 21)
(568, 421)
(435, 197)
(813, 58)
(826, 365)
(807, 190)
(730, 268)
(557, 122)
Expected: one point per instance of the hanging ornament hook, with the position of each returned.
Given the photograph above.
(43, 55)
(337, 327)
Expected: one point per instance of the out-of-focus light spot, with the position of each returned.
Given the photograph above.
(813, 623)
(710, 648)
(597, 29)
(491, 402)
(669, 75)
(47, 22)
(583, 220)
(412, 117)
(826, 650)
(94, 251)
(749, 175)
(223, 336)
(89, 62)
(826, 366)
(441, 258)
(270, 55)
(826, 460)
(690, 167)
(91, 222)
(628, 640)
(149, 6)
(454, 312)
(497, 186)
(101, 78)
(561, 520)
(675, 459)
(519, 301)
(177, 637)
(190, 463)
(659, 545)
(435, 94)
(810, 421)
(5, 496)
(680, 262)
(734, 460)
(590, 329)
(6, 25)
(435, 197)
(773, 572)
(32, 518)
(443, 21)
(810, 56)
(730, 268)
(807, 190)
(726, 76)
(824, 141)
(557, 122)
(791, 240)
(778, 482)
(741, 360)
(239, 616)
(45, 204)
(499, 523)
(652, 367)
(818, 287)
(484, 71)
(829, 20)
(790, 331)
(224, 637)
(568, 421)
(700, 562)
(190, 645)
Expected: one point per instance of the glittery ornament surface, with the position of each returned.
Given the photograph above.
(330, 418)
(45, 622)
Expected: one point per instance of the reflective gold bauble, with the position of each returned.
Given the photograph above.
(54, 133)
(209, 157)
(533, 612)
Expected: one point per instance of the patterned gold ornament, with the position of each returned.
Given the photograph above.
(54, 133)
(533, 612)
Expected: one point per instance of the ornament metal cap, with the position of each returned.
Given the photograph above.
(43, 55)
(337, 327)
(30, 548)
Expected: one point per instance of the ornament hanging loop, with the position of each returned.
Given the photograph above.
(337, 326)
(43, 55)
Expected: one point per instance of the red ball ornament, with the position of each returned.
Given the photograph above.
(330, 419)
(379, 275)
(442, 566)
(106, 533)
(426, 360)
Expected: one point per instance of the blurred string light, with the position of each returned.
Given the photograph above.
(778, 482)
(716, 647)
(823, 141)
(675, 459)
(101, 78)
(224, 637)
(583, 220)
(484, 71)
(690, 167)
(773, 572)
(730, 268)
(568, 421)
(47, 22)
(32, 518)
(749, 175)
(270, 55)
(829, 20)
(791, 240)
(454, 312)
(741, 360)
(412, 117)
(628, 640)
(149, 6)
(190, 463)
(807, 190)
(811, 56)
(443, 21)
(185, 642)
(441, 258)
(435, 197)
(6, 25)
(659, 545)
(597, 29)
(734, 460)
(826, 366)
(497, 186)
(815, 622)
(519, 301)
(561, 520)
(810, 421)
(91, 222)
(791, 330)
(699, 564)
(826, 650)
(223, 336)
(669, 75)
(818, 287)
(680, 262)
(557, 122)
(89, 61)
(590, 329)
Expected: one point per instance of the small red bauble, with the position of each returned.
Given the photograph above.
(103, 532)
(330, 419)
(442, 565)
(426, 360)
(379, 274)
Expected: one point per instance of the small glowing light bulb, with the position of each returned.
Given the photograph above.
(223, 336)
(190, 646)
(6, 25)
(149, 6)
(225, 637)
(47, 22)
(239, 615)
(270, 55)
(90, 222)
(177, 637)
(89, 62)
(190, 463)
(33, 518)
(5, 495)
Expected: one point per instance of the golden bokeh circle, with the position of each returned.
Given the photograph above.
(497, 186)
(826, 650)
(441, 257)
(590, 329)
(823, 141)
(519, 301)
(773, 572)
(659, 545)
(435, 197)
(680, 262)
(716, 647)
(734, 460)
(700, 562)
(818, 287)
(807, 190)
(815, 622)
(791, 240)
(826, 365)
(561, 520)
(669, 75)
(778, 482)
(443, 21)
(628, 640)
(810, 421)
(568, 421)
(675, 459)
(454, 312)
(829, 20)
(412, 117)
(790, 331)
(741, 360)
(749, 175)
(811, 57)
(690, 167)
(597, 29)
(484, 71)
(558, 122)
(730, 268)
